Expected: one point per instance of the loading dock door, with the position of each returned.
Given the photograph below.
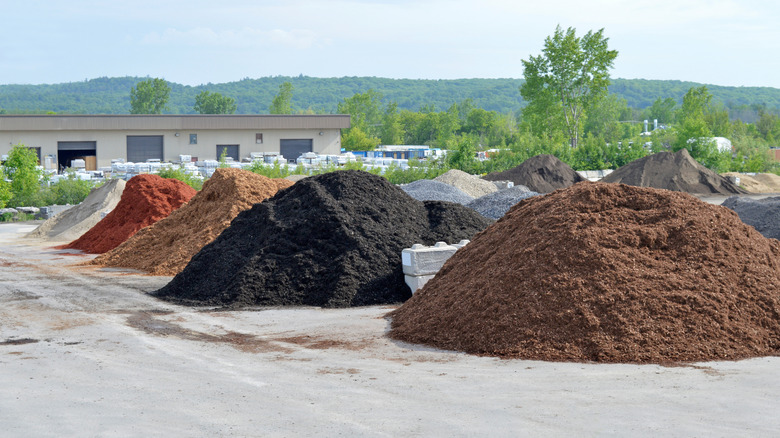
(292, 149)
(67, 151)
(230, 149)
(143, 147)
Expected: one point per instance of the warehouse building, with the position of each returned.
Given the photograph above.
(98, 139)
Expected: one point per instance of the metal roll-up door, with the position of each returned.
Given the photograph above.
(292, 149)
(76, 145)
(144, 147)
(230, 149)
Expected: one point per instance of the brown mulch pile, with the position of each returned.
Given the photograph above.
(166, 247)
(145, 200)
(606, 273)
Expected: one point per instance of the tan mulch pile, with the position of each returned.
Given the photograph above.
(166, 247)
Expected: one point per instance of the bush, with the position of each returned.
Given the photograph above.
(70, 190)
(179, 173)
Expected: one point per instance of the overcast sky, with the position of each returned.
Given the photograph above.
(195, 42)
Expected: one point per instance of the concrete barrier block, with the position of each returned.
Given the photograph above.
(426, 260)
(416, 281)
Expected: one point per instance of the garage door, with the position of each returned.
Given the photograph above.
(76, 145)
(230, 150)
(292, 149)
(144, 147)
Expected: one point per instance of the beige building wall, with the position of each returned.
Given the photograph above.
(112, 144)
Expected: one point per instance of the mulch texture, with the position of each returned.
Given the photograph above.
(605, 273)
(331, 240)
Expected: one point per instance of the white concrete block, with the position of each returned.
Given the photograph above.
(426, 260)
(416, 281)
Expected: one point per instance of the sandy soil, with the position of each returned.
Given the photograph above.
(85, 352)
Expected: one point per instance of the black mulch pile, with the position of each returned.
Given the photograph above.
(332, 240)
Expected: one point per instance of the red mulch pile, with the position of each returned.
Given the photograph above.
(607, 273)
(145, 200)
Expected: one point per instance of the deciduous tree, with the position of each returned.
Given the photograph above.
(562, 83)
(21, 166)
(214, 103)
(282, 102)
(149, 97)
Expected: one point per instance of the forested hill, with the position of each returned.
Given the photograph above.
(322, 95)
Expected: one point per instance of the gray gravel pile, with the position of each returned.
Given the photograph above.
(495, 205)
(430, 190)
(472, 185)
(75, 221)
(761, 214)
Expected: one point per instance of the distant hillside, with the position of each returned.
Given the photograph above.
(322, 95)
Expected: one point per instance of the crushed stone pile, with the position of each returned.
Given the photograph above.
(495, 205)
(606, 273)
(761, 214)
(332, 240)
(472, 185)
(750, 184)
(770, 180)
(77, 220)
(676, 171)
(165, 247)
(430, 190)
(541, 173)
(146, 199)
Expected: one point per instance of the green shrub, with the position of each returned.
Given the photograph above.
(179, 173)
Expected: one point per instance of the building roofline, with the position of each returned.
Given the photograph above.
(79, 122)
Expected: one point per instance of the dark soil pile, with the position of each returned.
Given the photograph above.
(676, 171)
(145, 200)
(541, 173)
(331, 240)
(761, 214)
(166, 247)
(607, 273)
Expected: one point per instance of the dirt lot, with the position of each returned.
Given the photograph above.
(85, 352)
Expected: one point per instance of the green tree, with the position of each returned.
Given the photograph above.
(604, 118)
(149, 97)
(5, 188)
(25, 176)
(282, 102)
(392, 130)
(662, 110)
(694, 133)
(366, 120)
(567, 78)
(214, 103)
(355, 139)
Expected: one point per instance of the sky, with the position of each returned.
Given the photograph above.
(195, 42)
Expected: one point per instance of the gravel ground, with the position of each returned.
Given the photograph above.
(86, 352)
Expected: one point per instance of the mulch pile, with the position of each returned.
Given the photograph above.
(541, 173)
(331, 240)
(166, 247)
(145, 200)
(676, 171)
(606, 273)
(761, 214)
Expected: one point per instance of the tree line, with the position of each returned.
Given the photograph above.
(322, 95)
